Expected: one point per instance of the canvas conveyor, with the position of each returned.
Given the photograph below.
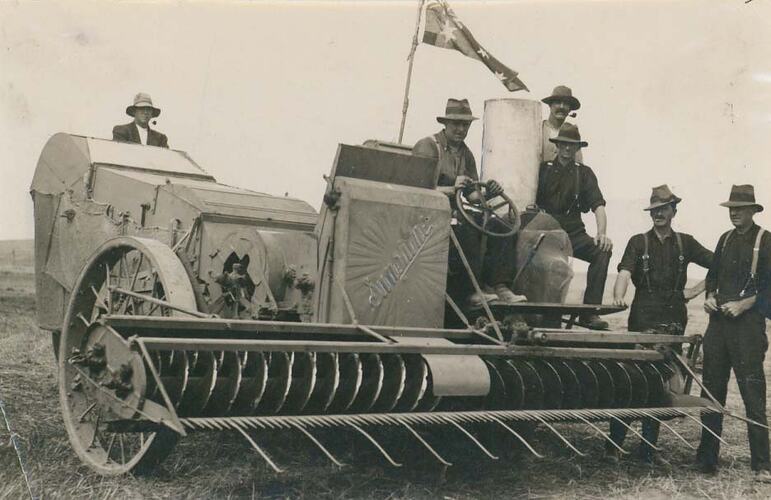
(180, 305)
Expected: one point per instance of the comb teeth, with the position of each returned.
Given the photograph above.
(372, 421)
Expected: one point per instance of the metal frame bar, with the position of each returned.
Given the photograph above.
(212, 344)
(546, 335)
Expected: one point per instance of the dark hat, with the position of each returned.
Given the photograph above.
(457, 110)
(742, 196)
(662, 196)
(569, 133)
(562, 93)
(142, 100)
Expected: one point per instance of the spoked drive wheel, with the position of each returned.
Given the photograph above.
(103, 384)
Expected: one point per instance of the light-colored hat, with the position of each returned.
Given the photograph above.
(457, 109)
(661, 196)
(742, 196)
(142, 100)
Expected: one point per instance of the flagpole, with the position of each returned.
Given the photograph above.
(411, 58)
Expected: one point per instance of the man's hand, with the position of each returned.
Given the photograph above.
(462, 181)
(603, 242)
(710, 304)
(619, 301)
(736, 308)
(493, 189)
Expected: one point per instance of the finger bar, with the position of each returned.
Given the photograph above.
(428, 446)
(601, 433)
(376, 444)
(518, 436)
(260, 451)
(559, 435)
(317, 443)
(474, 440)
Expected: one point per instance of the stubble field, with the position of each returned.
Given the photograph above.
(224, 466)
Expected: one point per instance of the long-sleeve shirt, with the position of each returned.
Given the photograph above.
(452, 162)
(665, 272)
(729, 275)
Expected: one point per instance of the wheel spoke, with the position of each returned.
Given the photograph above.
(109, 445)
(122, 449)
(499, 205)
(500, 219)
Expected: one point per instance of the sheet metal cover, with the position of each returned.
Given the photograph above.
(145, 157)
(453, 375)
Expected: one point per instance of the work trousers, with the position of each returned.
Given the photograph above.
(497, 265)
(650, 310)
(738, 343)
(585, 249)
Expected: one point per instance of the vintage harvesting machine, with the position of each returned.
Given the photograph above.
(178, 304)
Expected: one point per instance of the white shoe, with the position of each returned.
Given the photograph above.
(507, 296)
(475, 299)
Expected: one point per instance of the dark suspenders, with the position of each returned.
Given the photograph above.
(755, 256)
(646, 261)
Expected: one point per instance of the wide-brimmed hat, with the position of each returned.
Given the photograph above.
(142, 100)
(457, 109)
(562, 93)
(742, 196)
(569, 133)
(662, 196)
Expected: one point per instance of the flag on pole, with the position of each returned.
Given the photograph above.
(444, 29)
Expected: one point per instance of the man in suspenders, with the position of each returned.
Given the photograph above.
(738, 291)
(656, 262)
(566, 188)
(457, 168)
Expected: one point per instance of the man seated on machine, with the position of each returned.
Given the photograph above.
(492, 259)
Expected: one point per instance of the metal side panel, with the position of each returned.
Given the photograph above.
(453, 375)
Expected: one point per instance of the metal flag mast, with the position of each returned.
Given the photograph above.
(411, 58)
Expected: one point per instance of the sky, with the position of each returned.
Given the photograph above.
(261, 93)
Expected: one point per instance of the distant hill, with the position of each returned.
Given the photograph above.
(17, 253)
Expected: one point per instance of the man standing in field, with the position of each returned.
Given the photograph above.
(656, 262)
(738, 297)
(566, 188)
(457, 170)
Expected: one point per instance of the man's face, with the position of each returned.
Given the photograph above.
(662, 216)
(456, 130)
(741, 217)
(559, 109)
(566, 151)
(142, 116)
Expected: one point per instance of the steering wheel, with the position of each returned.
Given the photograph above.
(507, 219)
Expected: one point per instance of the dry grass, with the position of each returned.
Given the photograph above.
(223, 466)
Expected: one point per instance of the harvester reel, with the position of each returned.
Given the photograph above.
(498, 208)
(103, 383)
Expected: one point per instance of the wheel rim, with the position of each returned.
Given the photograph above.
(143, 266)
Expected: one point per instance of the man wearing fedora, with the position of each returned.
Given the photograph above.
(567, 188)
(738, 292)
(561, 103)
(456, 170)
(657, 263)
(139, 130)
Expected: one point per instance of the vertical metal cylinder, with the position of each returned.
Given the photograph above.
(511, 147)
